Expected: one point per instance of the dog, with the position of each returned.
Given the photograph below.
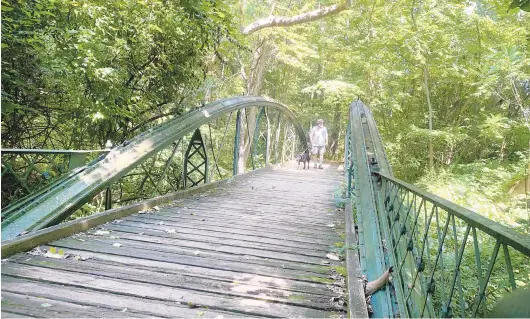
(304, 157)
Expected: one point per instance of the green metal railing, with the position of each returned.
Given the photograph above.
(445, 257)
(153, 158)
(450, 245)
(26, 171)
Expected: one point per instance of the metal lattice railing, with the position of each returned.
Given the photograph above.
(164, 159)
(26, 171)
(455, 253)
(447, 260)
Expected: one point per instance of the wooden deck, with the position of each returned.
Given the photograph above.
(256, 247)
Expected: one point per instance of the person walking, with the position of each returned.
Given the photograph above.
(319, 140)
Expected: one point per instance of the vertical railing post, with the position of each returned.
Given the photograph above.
(348, 160)
(277, 138)
(255, 141)
(284, 144)
(108, 198)
(293, 147)
(236, 143)
(267, 141)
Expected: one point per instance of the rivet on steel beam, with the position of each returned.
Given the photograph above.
(410, 245)
(420, 264)
(431, 287)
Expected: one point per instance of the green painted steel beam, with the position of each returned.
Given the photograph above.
(60, 202)
(42, 151)
(373, 262)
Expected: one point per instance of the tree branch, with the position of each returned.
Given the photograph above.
(273, 21)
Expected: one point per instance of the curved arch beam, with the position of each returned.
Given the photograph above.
(61, 202)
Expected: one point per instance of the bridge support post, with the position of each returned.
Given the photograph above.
(108, 198)
(267, 141)
(277, 137)
(236, 143)
(348, 161)
(196, 147)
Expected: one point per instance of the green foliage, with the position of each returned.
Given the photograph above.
(99, 70)
(484, 187)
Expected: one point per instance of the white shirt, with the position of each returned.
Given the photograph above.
(319, 136)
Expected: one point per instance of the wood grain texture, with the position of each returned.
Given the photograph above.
(255, 247)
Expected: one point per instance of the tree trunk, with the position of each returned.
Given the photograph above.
(428, 96)
(253, 88)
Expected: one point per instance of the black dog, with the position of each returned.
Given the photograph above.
(305, 157)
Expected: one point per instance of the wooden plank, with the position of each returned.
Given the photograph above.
(187, 231)
(34, 239)
(158, 232)
(99, 298)
(263, 212)
(268, 260)
(49, 308)
(222, 228)
(323, 233)
(206, 260)
(176, 245)
(234, 288)
(165, 293)
(282, 279)
(6, 314)
(194, 250)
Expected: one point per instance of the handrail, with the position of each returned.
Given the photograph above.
(507, 235)
(432, 243)
(59, 203)
(46, 151)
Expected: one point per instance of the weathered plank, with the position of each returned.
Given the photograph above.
(50, 308)
(285, 241)
(256, 247)
(249, 306)
(98, 298)
(234, 288)
(202, 259)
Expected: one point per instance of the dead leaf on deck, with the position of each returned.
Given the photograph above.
(200, 313)
(45, 305)
(82, 258)
(37, 252)
(54, 253)
(330, 225)
(332, 256)
(196, 252)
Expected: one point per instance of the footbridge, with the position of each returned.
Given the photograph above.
(181, 231)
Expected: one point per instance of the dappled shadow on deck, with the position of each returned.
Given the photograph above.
(252, 248)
